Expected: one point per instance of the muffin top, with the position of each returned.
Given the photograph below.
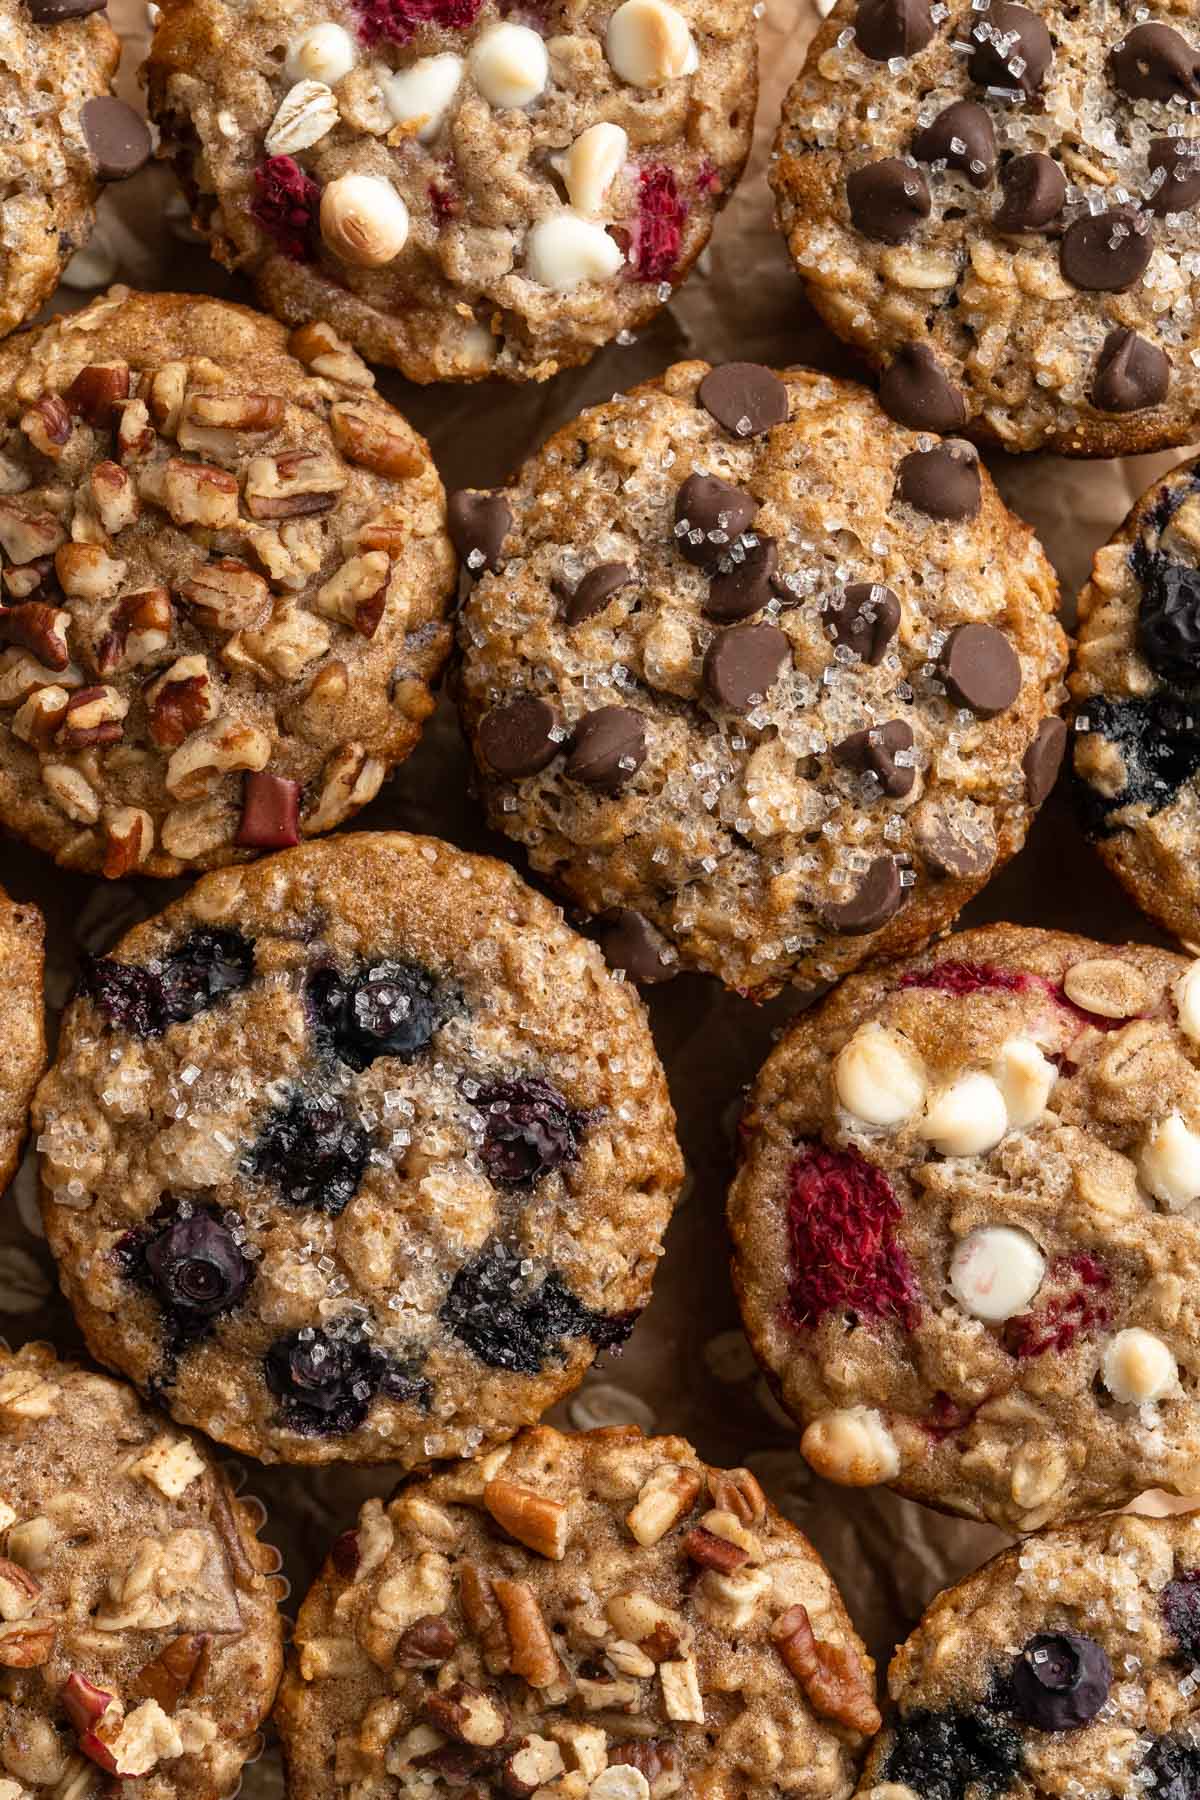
(22, 1029)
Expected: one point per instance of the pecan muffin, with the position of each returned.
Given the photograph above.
(225, 585)
(967, 1226)
(591, 1617)
(764, 681)
(462, 188)
(995, 202)
(358, 1153)
(22, 1032)
(1136, 681)
(140, 1638)
(1066, 1665)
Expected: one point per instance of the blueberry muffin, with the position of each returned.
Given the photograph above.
(1064, 1666)
(140, 1638)
(63, 134)
(967, 1226)
(227, 574)
(22, 1033)
(461, 188)
(592, 1617)
(357, 1153)
(995, 202)
(1135, 681)
(765, 682)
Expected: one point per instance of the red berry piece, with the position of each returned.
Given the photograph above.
(444, 203)
(662, 214)
(846, 1256)
(963, 978)
(285, 205)
(1076, 1286)
(397, 20)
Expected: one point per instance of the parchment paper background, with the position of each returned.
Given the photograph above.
(687, 1368)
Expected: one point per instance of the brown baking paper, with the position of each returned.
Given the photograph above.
(688, 1368)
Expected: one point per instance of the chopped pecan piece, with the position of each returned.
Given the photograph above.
(97, 390)
(357, 594)
(25, 536)
(26, 1643)
(38, 718)
(136, 436)
(324, 353)
(833, 1677)
(94, 716)
(467, 1715)
(29, 579)
(139, 630)
(180, 701)
(48, 425)
(40, 629)
(179, 1669)
(667, 1496)
(350, 779)
(377, 440)
(389, 535)
(293, 484)
(736, 1491)
(290, 640)
(234, 412)
(651, 1757)
(114, 497)
(483, 1618)
(220, 748)
(712, 1552)
(427, 1643)
(164, 392)
(71, 792)
(88, 572)
(532, 1655)
(18, 1590)
(535, 1762)
(197, 494)
(533, 1519)
(681, 1691)
(227, 595)
(128, 841)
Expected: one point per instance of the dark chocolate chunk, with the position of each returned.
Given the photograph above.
(608, 748)
(517, 737)
(54, 12)
(1131, 374)
(715, 514)
(745, 398)
(270, 812)
(916, 391)
(1035, 192)
(943, 482)
(873, 752)
(744, 587)
(879, 896)
(118, 139)
(1043, 759)
(595, 590)
(478, 523)
(630, 942)
(1178, 190)
(743, 662)
(1012, 49)
(962, 137)
(888, 199)
(1107, 252)
(887, 28)
(981, 669)
(1154, 62)
(865, 618)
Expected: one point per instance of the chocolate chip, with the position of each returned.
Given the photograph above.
(608, 748)
(270, 812)
(716, 515)
(746, 587)
(878, 897)
(1155, 63)
(517, 738)
(1179, 189)
(1130, 374)
(887, 28)
(943, 482)
(947, 850)
(1035, 192)
(865, 617)
(630, 942)
(962, 137)
(478, 523)
(118, 139)
(888, 199)
(981, 669)
(53, 12)
(1107, 252)
(745, 398)
(916, 391)
(743, 662)
(873, 752)
(1043, 759)
(595, 591)
(1012, 49)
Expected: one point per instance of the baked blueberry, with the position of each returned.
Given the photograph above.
(384, 1009)
(325, 1384)
(1174, 1763)
(312, 1153)
(511, 1323)
(199, 972)
(942, 1754)
(1180, 1604)
(529, 1130)
(1060, 1681)
(197, 1269)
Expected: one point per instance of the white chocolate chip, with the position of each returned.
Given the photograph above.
(565, 250)
(363, 220)
(967, 1118)
(1138, 1367)
(1187, 999)
(171, 1465)
(1025, 1078)
(853, 1446)
(419, 97)
(1106, 986)
(307, 113)
(325, 53)
(591, 165)
(510, 65)
(1169, 1163)
(879, 1077)
(995, 1272)
(650, 43)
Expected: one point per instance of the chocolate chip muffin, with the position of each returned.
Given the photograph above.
(62, 134)
(995, 202)
(596, 1617)
(1135, 681)
(140, 1638)
(1064, 1666)
(461, 188)
(764, 681)
(357, 1153)
(22, 1033)
(226, 581)
(967, 1226)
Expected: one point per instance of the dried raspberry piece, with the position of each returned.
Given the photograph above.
(946, 1418)
(397, 20)
(845, 1256)
(708, 178)
(1076, 1307)
(961, 978)
(285, 205)
(1097, 1020)
(444, 203)
(658, 237)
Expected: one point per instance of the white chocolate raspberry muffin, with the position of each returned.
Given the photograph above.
(226, 574)
(356, 1154)
(140, 1637)
(461, 188)
(967, 1226)
(22, 1028)
(592, 1617)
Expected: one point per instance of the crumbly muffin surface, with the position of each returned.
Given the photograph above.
(226, 575)
(358, 1153)
(140, 1639)
(967, 1246)
(22, 1029)
(592, 1617)
(460, 187)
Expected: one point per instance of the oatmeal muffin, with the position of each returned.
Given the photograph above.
(226, 581)
(1064, 1666)
(462, 188)
(357, 1153)
(967, 1226)
(762, 680)
(995, 202)
(140, 1639)
(1136, 682)
(22, 1033)
(62, 134)
(596, 1617)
